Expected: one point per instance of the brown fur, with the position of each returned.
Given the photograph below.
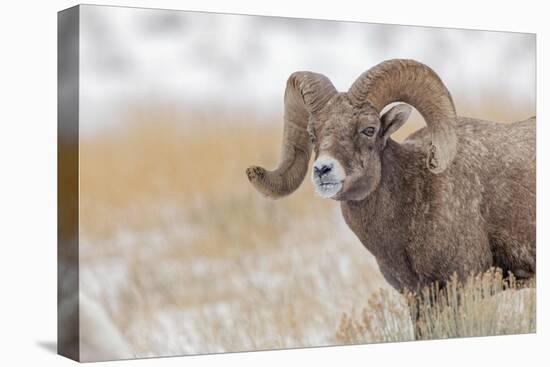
(473, 207)
(477, 214)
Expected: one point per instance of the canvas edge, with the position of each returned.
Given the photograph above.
(68, 328)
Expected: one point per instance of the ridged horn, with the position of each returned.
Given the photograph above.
(306, 93)
(416, 84)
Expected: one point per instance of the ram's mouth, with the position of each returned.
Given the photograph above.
(328, 189)
(329, 185)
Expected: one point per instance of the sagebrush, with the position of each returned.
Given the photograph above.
(483, 304)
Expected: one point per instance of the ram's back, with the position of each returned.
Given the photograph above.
(496, 149)
(497, 162)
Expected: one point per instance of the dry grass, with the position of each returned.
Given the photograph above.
(144, 176)
(185, 257)
(484, 304)
(385, 318)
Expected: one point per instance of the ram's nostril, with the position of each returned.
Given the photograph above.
(322, 170)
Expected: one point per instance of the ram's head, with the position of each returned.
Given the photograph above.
(347, 133)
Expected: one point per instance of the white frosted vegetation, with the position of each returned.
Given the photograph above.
(288, 294)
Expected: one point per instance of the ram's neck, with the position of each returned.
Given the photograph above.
(401, 183)
(403, 168)
(381, 220)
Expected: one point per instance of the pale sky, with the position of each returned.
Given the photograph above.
(239, 64)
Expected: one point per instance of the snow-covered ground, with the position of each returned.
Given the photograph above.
(291, 295)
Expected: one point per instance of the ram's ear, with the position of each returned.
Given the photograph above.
(392, 120)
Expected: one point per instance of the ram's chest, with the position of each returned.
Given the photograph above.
(384, 234)
(379, 227)
(422, 237)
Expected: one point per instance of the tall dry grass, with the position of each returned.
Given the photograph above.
(138, 176)
(481, 305)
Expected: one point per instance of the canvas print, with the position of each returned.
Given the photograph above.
(238, 183)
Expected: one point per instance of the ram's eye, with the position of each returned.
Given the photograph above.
(369, 131)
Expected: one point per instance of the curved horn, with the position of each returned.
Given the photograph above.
(416, 84)
(306, 93)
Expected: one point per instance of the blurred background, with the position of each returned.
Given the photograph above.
(177, 250)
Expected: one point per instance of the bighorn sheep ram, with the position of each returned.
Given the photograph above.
(456, 196)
